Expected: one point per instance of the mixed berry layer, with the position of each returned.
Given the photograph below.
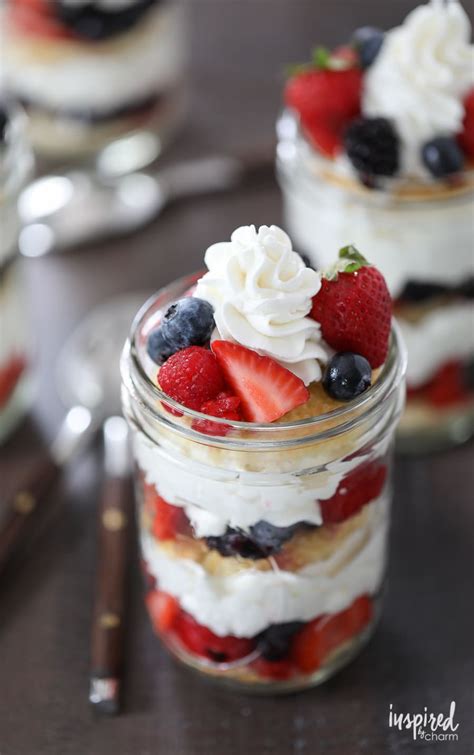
(280, 652)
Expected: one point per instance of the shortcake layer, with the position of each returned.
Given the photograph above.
(241, 598)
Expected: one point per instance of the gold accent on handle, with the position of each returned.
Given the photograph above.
(113, 519)
(24, 502)
(109, 620)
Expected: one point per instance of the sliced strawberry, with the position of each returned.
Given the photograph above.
(354, 308)
(320, 637)
(266, 389)
(446, 388)
(225, 406)
(9, 377)
(36, 18)
(163, 609)
(359, 487)
(168, 520)
(466, 137)
(200, 640)
(282, 669)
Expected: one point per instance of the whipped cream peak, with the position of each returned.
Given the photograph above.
(261, 291)
(420, 77)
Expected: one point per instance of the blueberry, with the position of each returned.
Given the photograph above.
(368, 40)
(346, 376)
(443, 156)
(188, 322)
(158, 349)
(263, 540)
(274, 642)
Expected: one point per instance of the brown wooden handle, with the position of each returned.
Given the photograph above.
(28, 503)
(115, 521)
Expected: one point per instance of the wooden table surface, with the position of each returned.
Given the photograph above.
(421, 654)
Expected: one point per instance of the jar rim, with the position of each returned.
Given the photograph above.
(150, 396)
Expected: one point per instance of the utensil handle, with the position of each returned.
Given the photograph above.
(107, 651)
(27, 504)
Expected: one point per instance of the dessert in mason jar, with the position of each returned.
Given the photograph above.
(15, 167)
(90, 72)
(376, 147)
(263, 399)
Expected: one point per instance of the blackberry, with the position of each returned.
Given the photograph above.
(373, 147)
(274, 642)
(94, 21)
(263, 540)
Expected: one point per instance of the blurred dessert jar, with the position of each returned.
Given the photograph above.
(262, 460)
(377, 146)
(89, 72)
(15, 168)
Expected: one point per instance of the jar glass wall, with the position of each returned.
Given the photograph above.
(89, 74)
(422, 241)
(258, 573)
(15, 343)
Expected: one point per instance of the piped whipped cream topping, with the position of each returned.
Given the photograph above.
(261, 292)
(420, 77)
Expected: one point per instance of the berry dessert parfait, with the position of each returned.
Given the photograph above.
(376, 146)
(90, 71)
(15, 168)
(263, 400)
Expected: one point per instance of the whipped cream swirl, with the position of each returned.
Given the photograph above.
(420, 77)
(261, 292)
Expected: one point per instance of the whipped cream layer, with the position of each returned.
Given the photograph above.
(244, 604)
(420, 77)
(215, 498)
(261, 292)
(101, 76)
(444, 334)
(406, 241)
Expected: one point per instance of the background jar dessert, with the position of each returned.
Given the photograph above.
(409, 234)
(88, 73)
(15, 346)
(264, 546)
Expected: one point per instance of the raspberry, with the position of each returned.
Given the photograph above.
(192, 377)
(224, 406)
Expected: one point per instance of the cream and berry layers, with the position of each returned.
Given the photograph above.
(247, 551)
(379, 137)
(87, 72)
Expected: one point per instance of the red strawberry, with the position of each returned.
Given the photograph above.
(356, 489)
(9, 377)
(200, 640)
(355, 310)
(192, 376)
(36, 18)
(466, 137)
(266, 389)
(225, 406)
(168, 520)
(280, 670)
(326, 101)
(163, 609)
(312, 644)
(446, 388)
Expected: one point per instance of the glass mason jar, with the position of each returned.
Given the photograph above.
(91, 74)
(408, 234)
(15, 168)
(264, 546)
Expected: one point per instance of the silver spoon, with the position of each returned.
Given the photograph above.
(61, 211)
(88, 380)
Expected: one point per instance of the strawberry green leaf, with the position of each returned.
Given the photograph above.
(355, 260)
(321, 57)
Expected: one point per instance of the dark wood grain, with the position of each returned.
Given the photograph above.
(421, 653)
